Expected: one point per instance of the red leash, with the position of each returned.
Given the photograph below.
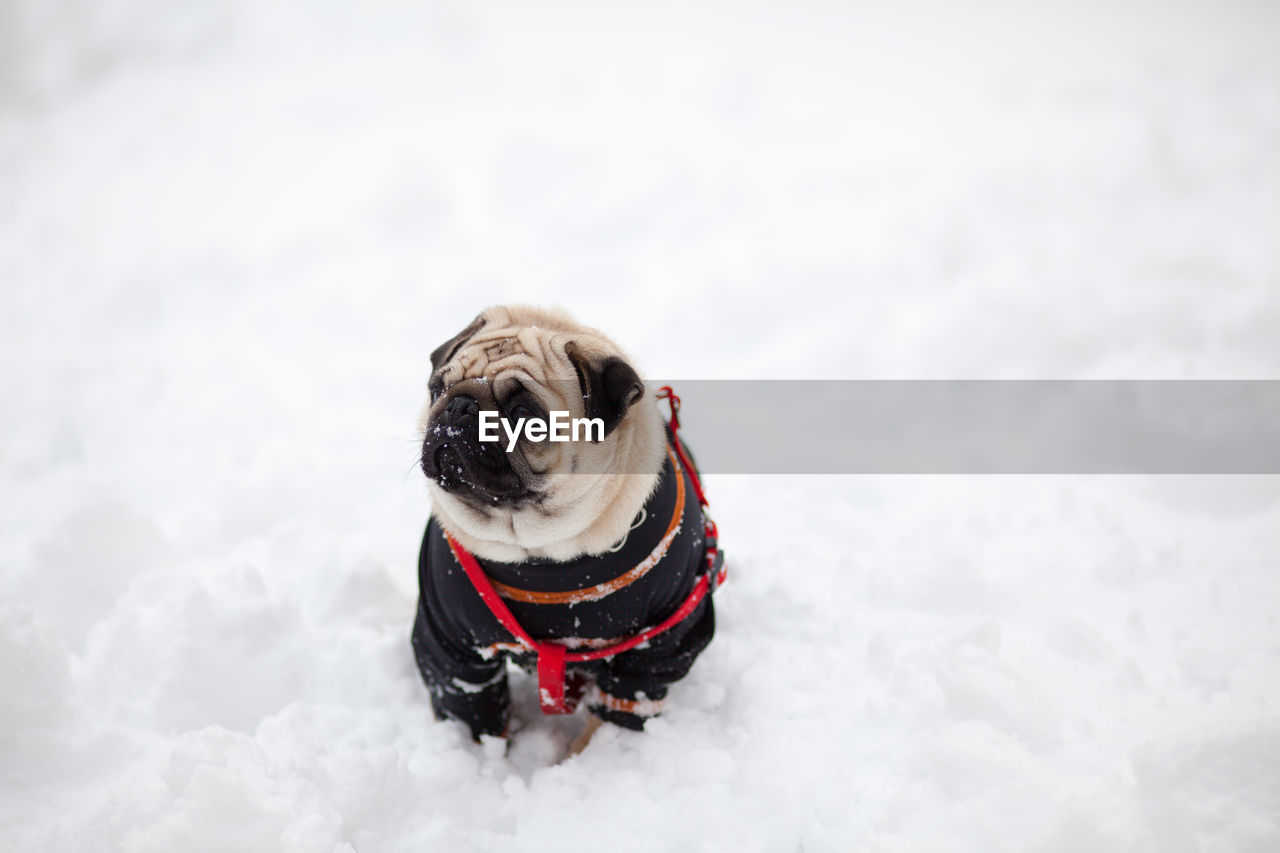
(712, 532)
(553, 656)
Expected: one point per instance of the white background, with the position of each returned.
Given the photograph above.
(231, 233)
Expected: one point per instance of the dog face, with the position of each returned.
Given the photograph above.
(520, 363)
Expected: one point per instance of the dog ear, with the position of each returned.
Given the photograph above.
(610, 386)
(446, 350)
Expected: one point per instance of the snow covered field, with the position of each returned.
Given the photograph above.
(231, 232)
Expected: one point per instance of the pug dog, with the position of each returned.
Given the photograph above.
(587, 560)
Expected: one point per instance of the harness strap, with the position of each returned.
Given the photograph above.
(715, 561)
(666, 393)
(553, 656)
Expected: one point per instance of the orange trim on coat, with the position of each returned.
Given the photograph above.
(639, 707)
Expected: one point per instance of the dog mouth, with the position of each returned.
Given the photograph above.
(451, 474)
(470, 479)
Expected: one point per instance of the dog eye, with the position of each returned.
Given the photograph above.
(435, 388)
(520, 411)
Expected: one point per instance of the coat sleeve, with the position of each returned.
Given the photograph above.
(633, 686)
(463, 685)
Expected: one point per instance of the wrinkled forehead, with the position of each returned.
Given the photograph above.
(490, 353)
(515, 358)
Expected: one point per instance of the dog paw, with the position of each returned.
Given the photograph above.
(581, 741)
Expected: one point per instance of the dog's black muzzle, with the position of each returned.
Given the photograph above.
(455, 458)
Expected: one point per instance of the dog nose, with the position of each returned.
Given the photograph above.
(461, 408)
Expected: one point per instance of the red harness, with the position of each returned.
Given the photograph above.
(552, 656)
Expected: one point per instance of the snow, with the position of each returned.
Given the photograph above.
(232, 232)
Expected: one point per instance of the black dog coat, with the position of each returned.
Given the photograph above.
(590, 602)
